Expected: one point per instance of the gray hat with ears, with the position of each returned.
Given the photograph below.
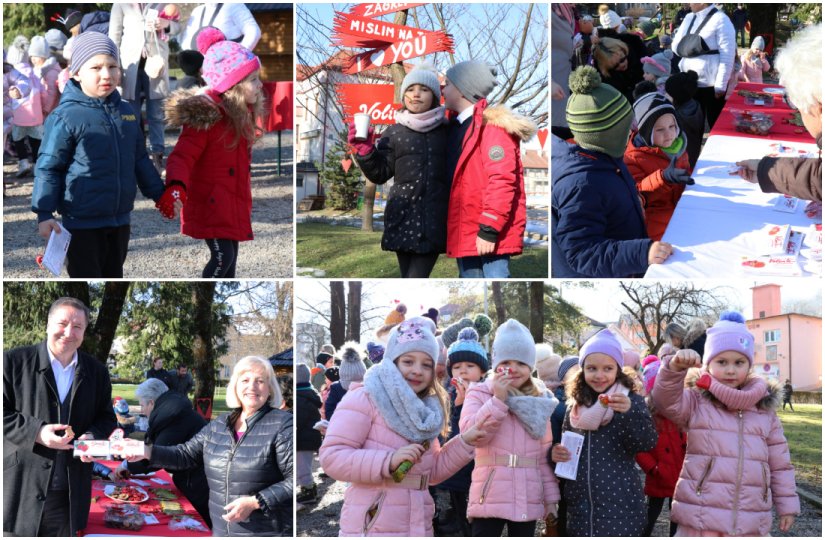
(413, 335)
(475, 80)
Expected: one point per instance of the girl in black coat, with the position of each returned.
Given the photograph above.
(413, 151)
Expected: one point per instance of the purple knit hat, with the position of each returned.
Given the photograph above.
(375, 352)
(225, 63)
(651, 365)
(602, 342)
(729, 334)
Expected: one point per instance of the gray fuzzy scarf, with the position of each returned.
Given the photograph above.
(413, 418)
(533, 412)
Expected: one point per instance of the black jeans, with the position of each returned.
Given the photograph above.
(56, 515)
(495, 526)
(224, 255)
(98, 253)
(459, 500)
(711, 105)
(416, 265)
(654, 508)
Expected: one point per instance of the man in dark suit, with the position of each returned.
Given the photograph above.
(52, 393)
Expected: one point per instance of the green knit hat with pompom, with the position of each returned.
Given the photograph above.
(598, 115)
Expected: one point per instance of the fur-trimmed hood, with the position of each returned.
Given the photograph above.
(695, 329)
(771, 402)
(514, 124)
(192, 108)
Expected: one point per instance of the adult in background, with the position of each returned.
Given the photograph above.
(788, 395)
(562, 28)
(246, 455)
(181, 381)
(52, 393)
(157, 372)
(307, 439)
(171, 421)
(234, 20)
(706, 42)
(739, 19)
(622, 76)
(799, 177)
(692, 337)
(141, 33)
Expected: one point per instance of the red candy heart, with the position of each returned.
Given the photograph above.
(704, 381)
(604, 399)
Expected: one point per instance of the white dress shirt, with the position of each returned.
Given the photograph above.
(63, 376)
(465, 114)
(234, 20)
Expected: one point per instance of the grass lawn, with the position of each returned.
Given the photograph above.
(803, 429)
(347, 252)
(127, 391)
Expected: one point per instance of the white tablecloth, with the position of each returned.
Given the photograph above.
(716, 221)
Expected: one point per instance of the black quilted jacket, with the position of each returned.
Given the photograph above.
(260, 462)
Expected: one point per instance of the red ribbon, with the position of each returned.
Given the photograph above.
(382, 8)
(350, 30)
(401, 51)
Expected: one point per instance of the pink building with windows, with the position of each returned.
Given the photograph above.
(787, 345)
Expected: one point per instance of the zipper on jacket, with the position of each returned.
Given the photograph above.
(738, 470)
(764, 482)
(705, 476)
(230, 458)
(589, 484)
(486, 487)
(371, 516)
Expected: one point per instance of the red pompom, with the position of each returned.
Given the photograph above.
(704, 381)
(207, 37)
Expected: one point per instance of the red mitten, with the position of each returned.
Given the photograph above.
(362, 148)
(175, 191)
(704, 381)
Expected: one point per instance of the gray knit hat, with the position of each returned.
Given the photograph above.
(88, 45)
(352, 364)
(39, 47)
(425, 75)
(56, 39)
(598, 115)
(302, 374)
(514, 341)
(18, 51)
(475, 80)
(414, 334)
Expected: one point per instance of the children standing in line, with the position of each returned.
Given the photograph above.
(466, 365)
(350, 371)
(606, 499)
(27, 130)
(488, 210)
(663, 464)
(307, 438)
(656, 157)
(91, 163)
(209, 171)
(513, 484)
(413, 152)
(737, 467)
(47, 70)
(395, 417)
(598, 226)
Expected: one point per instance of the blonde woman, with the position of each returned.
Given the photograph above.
(246, 455)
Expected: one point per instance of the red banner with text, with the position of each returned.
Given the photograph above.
(401, 51)
(377, 100)
(376, 9)
(350, 30)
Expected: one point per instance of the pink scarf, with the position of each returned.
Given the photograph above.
(422, 122)
(597, 415)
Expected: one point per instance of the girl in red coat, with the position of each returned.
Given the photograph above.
(662, 464)
(656, 156)
(208, 172)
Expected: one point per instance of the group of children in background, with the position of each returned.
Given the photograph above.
(87, 150)
(438, 410)
(602, 226)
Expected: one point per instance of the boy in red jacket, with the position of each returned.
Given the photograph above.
(487, 212)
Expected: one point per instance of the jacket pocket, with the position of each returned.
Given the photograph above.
(10, 461)
(765, 482)
(486, 487)
(371, 516)
(704, 477)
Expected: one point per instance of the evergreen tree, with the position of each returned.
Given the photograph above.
(341, 188)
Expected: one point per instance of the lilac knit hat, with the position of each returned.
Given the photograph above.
(602, 342)
(225, 63)
(729, 334)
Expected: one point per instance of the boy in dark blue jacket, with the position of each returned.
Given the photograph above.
(91, 162)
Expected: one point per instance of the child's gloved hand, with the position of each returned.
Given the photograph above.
(362, 148)
(677, 176)
(175, 193)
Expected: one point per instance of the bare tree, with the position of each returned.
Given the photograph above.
(498, 303)
(338, 313)
(537, 311)
(203, 297)
(354, 311)
(651, 306)
(108, 317)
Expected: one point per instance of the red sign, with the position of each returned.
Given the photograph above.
(350, 30)
(377, 100)
(400, 51)
(382, 8)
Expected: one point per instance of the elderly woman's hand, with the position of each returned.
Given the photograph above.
(239, 509)
(747, 170)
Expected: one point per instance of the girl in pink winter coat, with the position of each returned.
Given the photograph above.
(755, 62)
(512, 482)
(737, 466)
(389, 425)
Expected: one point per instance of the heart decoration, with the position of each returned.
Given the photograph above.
(377, 58)
(704, 381)
(117, 435)
(346, 164)
(542, 134)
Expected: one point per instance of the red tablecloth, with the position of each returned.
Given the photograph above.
(101, 501)
(781, 131)
(279, 105)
